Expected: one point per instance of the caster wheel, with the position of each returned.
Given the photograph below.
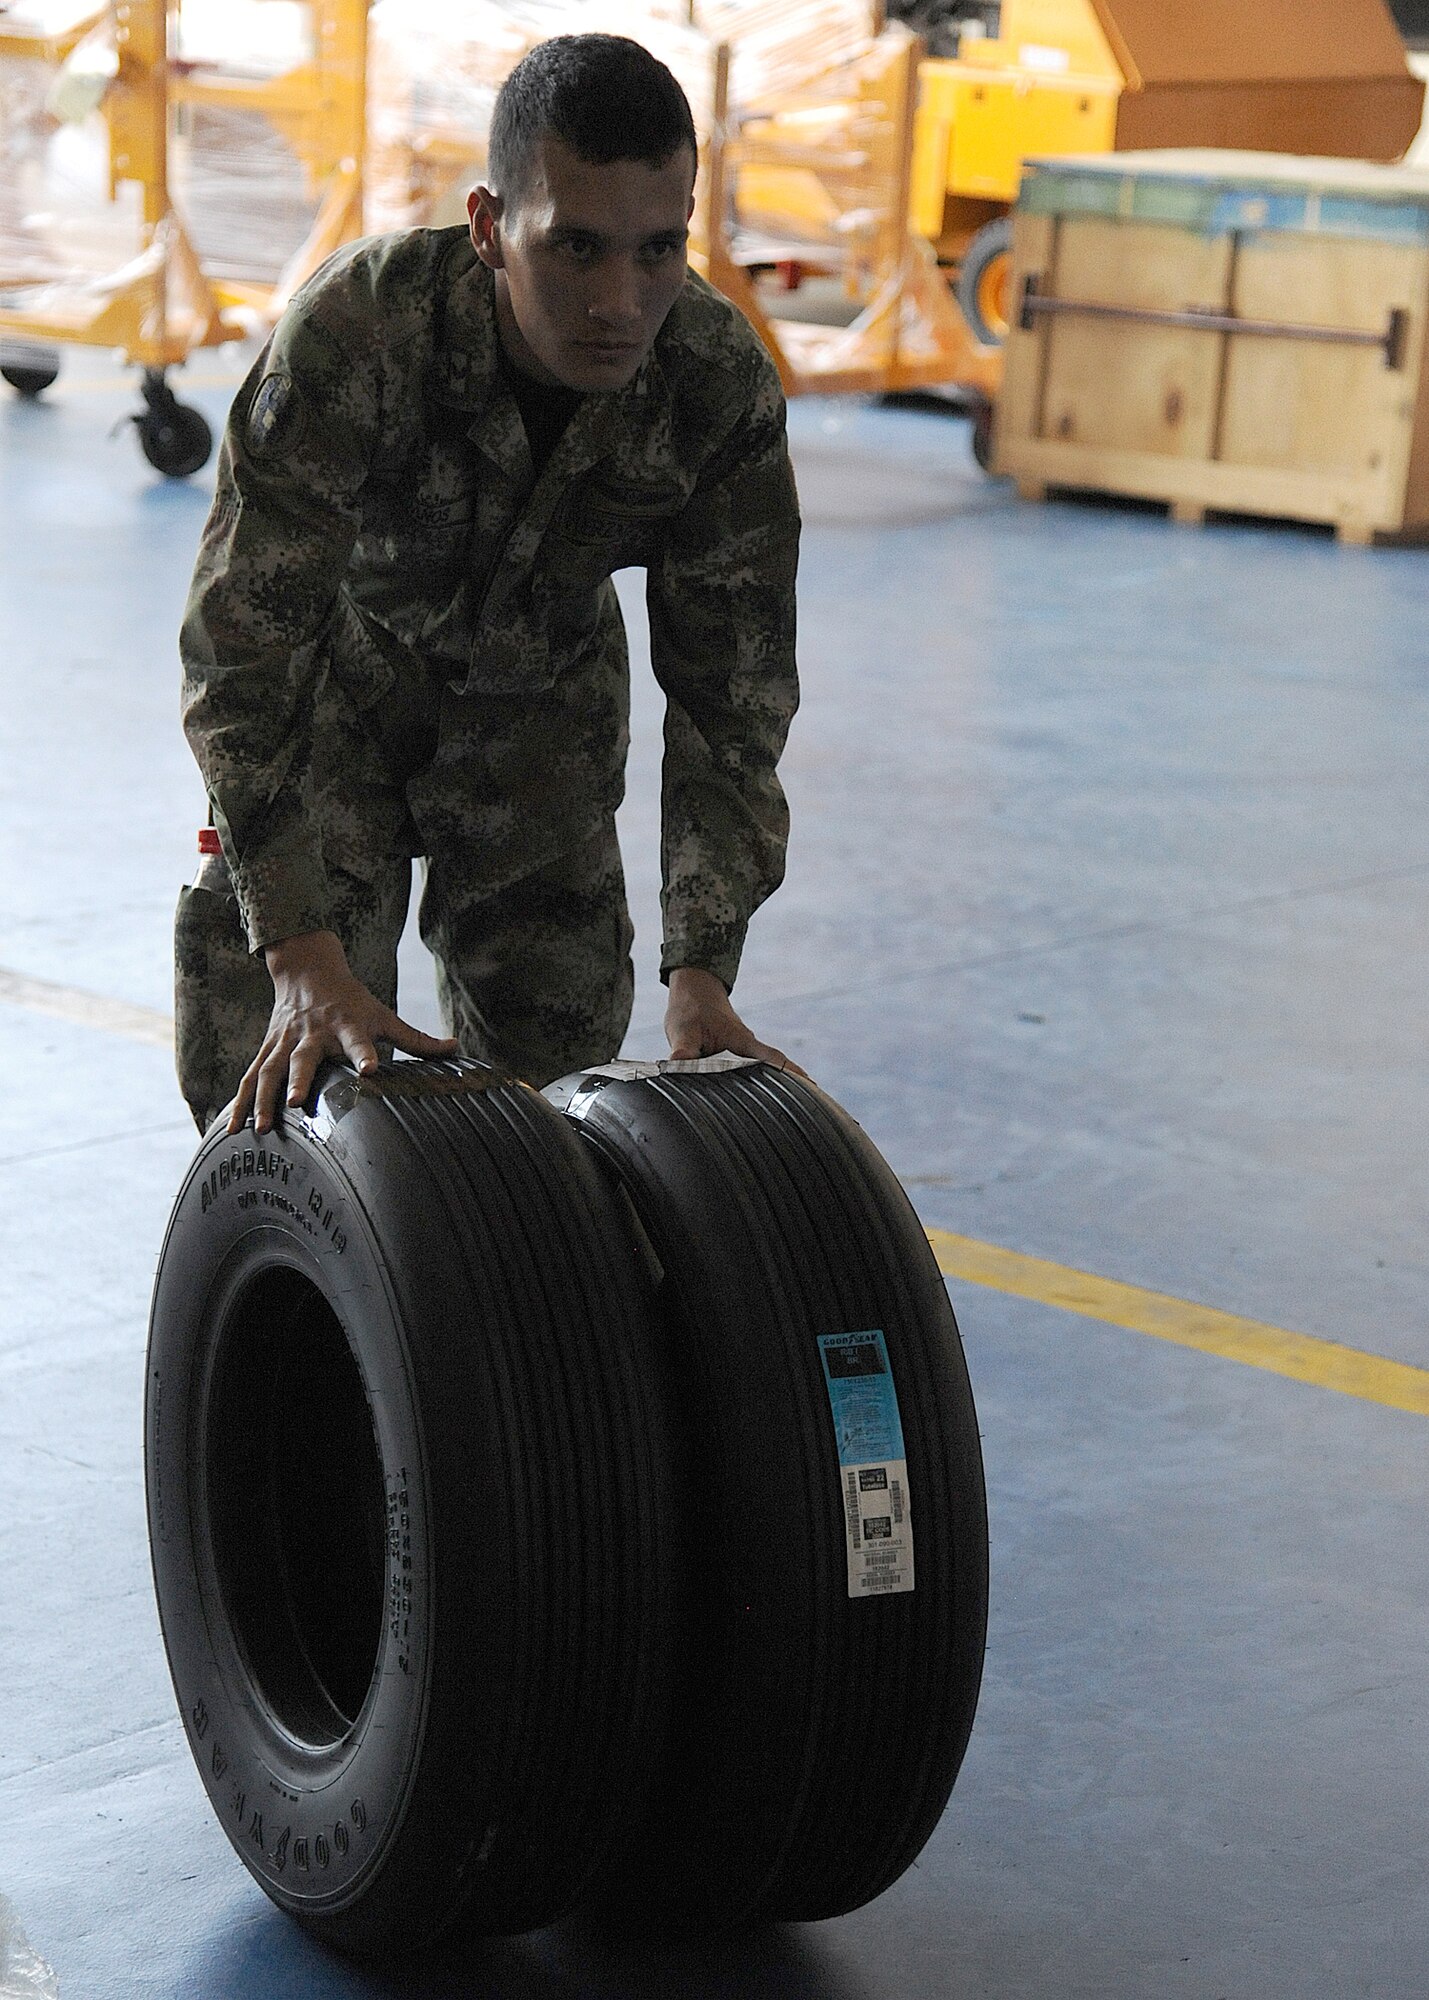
(982, 436)
(176, 440)
(29, 370)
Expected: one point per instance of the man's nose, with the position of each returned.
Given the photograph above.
(616, 301)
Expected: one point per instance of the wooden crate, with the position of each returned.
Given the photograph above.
(1233, 331)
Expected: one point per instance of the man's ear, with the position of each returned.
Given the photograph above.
(483, 210)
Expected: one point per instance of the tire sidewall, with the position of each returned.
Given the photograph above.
(313, 1825)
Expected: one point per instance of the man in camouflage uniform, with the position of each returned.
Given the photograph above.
(402, 638)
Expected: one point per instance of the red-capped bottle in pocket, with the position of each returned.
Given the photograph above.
(212, 871)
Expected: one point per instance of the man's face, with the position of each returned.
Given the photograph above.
(588, 263)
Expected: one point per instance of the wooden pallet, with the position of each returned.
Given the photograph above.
(1349, 529)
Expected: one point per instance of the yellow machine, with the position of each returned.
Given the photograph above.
(1325, 77)
(1047, 83)
(162, 302)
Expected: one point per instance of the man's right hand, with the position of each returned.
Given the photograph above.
(320, 1009)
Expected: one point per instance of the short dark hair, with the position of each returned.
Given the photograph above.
(604, 96)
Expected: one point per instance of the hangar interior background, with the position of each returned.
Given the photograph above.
(1106, 917)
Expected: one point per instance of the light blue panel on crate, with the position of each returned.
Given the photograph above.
(1399, 224)
(1235, 194)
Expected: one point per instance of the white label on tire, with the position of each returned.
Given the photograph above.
(878, 1521)
(639, 1072)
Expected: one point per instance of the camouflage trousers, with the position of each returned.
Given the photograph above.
(536, 978)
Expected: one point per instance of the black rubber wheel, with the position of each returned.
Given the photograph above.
(175, 438)
(30, 370)
(982, 436)
(982, 282)
(410, 1505)
(823, 1706)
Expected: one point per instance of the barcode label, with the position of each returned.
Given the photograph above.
(869, 1436)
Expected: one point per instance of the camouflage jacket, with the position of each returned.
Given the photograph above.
(377, 526)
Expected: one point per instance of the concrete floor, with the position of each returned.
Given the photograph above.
(1106, 916)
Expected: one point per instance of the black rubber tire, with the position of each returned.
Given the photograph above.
(30, 370)
(175, 438)
(410, 1505)
(816, 1737)
(992, 241)
(983, 440)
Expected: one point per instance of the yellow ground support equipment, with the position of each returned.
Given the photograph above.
(824, 143)
(129, 272)
(854, 193)
(1326, 77)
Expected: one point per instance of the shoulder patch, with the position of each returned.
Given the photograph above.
(275, 418)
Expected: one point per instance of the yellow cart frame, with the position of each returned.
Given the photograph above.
(162, 306)
(910, 334)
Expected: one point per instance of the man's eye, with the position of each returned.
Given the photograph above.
(656, 253)
(581, 248)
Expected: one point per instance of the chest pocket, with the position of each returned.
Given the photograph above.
(601, 526)
(411, 539)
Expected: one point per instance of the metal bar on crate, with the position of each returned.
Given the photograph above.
(1036, 305)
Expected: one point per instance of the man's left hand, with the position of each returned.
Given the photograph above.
(699, 1021)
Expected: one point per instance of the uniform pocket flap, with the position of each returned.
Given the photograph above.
(598, 510)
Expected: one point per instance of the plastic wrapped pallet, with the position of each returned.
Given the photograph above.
(244, 193)
(59, 230)
(433, 76)
(433, 80)
(781, 45)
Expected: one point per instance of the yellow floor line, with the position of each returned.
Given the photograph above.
(89, 1010)
(1302, 1356)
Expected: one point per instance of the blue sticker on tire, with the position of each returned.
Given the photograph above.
(872, 1461)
